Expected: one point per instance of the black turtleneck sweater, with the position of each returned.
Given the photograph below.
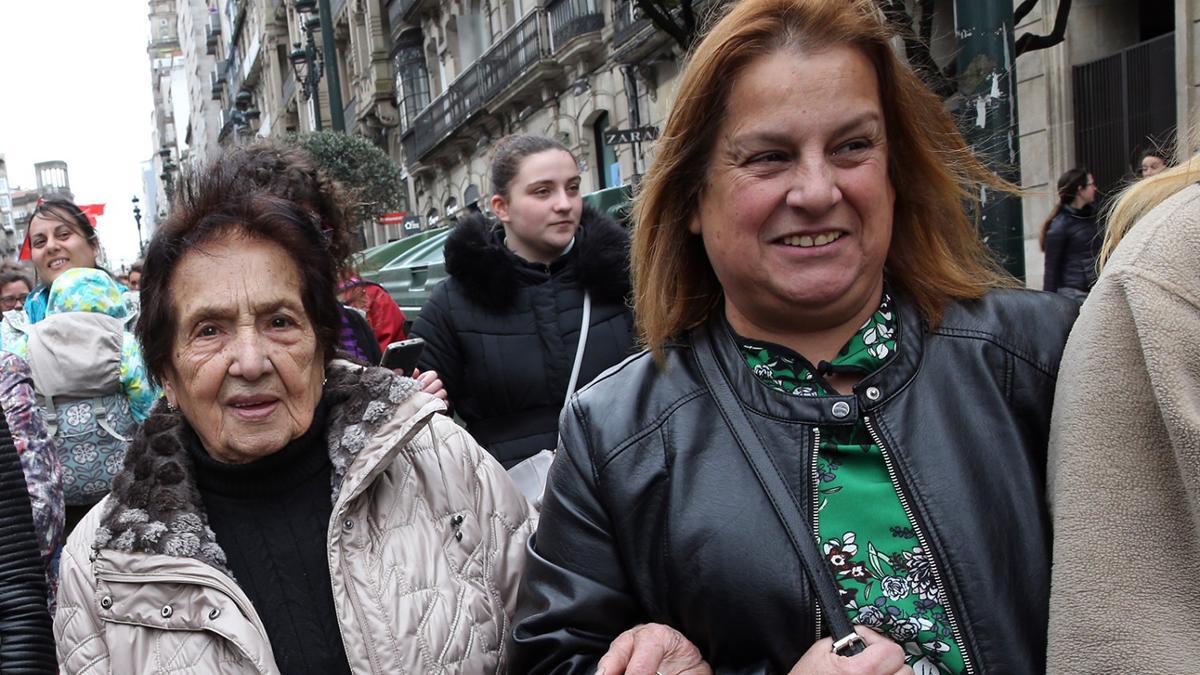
(270, 517)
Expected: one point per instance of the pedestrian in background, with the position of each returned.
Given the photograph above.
(1071, 237)
(284, 510)
(14, 289)
(843, 416)
(1124, 466)
(372, 300)
(504, 329)
(135, 276)
(1151, 163)
(60, 238)
(90, 377)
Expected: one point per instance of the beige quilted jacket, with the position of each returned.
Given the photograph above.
(426, 546)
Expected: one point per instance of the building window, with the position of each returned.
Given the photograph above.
(609, 168)
(412, 77)
(471, 197)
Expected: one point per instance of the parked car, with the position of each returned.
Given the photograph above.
(410, 268)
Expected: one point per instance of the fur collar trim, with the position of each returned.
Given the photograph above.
(155, 506)
(490, 275)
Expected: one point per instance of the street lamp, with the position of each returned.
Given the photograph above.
(137, 218)
(243, 115)
(306, 58)
(168, 172)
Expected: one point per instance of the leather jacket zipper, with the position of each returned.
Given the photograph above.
(933, 567)
(816, 516)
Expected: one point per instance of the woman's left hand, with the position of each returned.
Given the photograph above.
(430, 383)
(652, 648)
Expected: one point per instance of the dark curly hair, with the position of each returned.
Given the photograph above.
(289, 172)
(220, 201)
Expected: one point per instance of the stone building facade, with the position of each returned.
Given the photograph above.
(435, 82)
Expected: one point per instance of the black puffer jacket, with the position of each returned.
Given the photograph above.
(1072, 246)
(652, 514)
(26, 639)
(502, 332)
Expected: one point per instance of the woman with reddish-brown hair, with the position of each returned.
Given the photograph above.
(831, 457)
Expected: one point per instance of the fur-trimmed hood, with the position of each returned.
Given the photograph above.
(155, 506)
(490, 274)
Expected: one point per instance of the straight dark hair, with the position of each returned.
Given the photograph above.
(1069, 185)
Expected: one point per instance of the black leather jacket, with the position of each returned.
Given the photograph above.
(26, 639)
(653, 515)
(1073, 243)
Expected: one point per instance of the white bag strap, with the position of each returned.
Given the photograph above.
(51, 415)
(583, 333)
(101, 414)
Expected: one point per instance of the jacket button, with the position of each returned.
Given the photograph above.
(840, 409)
(106, 602)
(167, 611)
(348, 524)
(458, 535)
(457, 520)
(212, 616)
(873, 393)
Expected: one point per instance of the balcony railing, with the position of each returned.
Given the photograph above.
(233, 70)
(396, 9)
(627, 21)
(514, 53)
(217, 79)
(289, 87)
(406, 8)
(501, 65)
(571, 18)
(350, 115)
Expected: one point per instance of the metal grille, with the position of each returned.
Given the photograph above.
(571, 18)
(1124, 104)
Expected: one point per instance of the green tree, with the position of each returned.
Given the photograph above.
(372, 178)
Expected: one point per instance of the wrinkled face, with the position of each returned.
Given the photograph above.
(245, 370)
(796, 209)
(57, 247)
(135, 281)
(543, 207)
(1152, 165)
(12, 295)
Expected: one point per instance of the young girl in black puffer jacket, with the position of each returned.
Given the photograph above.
(502, 331)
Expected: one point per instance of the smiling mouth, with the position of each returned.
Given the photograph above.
(811, 241)
(253, 408)
(57, 263)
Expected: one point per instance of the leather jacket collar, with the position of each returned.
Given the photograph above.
(871, 392)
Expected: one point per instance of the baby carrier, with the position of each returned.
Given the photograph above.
(75, 359)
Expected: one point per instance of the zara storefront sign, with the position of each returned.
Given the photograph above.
(622, 136)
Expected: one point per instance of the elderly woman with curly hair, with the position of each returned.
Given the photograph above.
(283, 511)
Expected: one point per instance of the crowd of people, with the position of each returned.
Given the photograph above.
(798, 420)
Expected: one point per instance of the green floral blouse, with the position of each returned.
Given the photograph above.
(884, 573)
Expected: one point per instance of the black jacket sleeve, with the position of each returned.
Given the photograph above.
(575, 598)
(1056, 246)
(442, 352)
(26, 638)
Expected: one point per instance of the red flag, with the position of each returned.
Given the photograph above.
(89, 210)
